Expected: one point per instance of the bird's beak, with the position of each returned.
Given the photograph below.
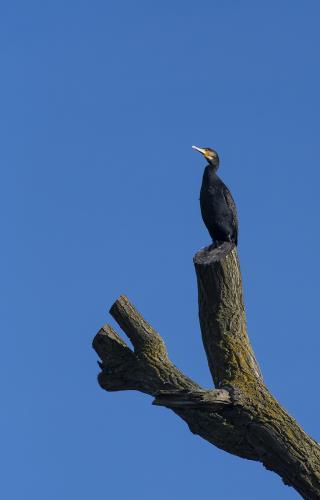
(201, 150)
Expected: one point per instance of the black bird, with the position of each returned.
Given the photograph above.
(218, 209)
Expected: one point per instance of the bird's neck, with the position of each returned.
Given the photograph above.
(212, 169)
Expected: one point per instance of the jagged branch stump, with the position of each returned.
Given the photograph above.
(240, 416)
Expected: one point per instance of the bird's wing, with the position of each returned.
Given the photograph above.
(231, 204)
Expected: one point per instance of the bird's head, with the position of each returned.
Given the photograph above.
(210, 155)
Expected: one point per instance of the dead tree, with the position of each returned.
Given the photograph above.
(240, 416)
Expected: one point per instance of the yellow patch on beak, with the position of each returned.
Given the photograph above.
(201, 150)
(208, 153)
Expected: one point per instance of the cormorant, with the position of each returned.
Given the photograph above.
(218, 209)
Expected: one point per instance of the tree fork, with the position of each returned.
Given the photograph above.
(240, 416)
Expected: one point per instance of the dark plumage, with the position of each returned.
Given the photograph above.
(218, 209)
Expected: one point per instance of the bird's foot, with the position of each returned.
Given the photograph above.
(214, 252)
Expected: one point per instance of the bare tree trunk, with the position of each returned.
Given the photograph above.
(239, 416)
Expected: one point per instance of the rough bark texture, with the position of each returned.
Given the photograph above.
(239, 416)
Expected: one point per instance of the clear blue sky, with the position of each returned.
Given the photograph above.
(100, 104)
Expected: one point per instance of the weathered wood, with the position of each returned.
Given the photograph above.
(204, 400)
(222, 316)
(240, 416)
